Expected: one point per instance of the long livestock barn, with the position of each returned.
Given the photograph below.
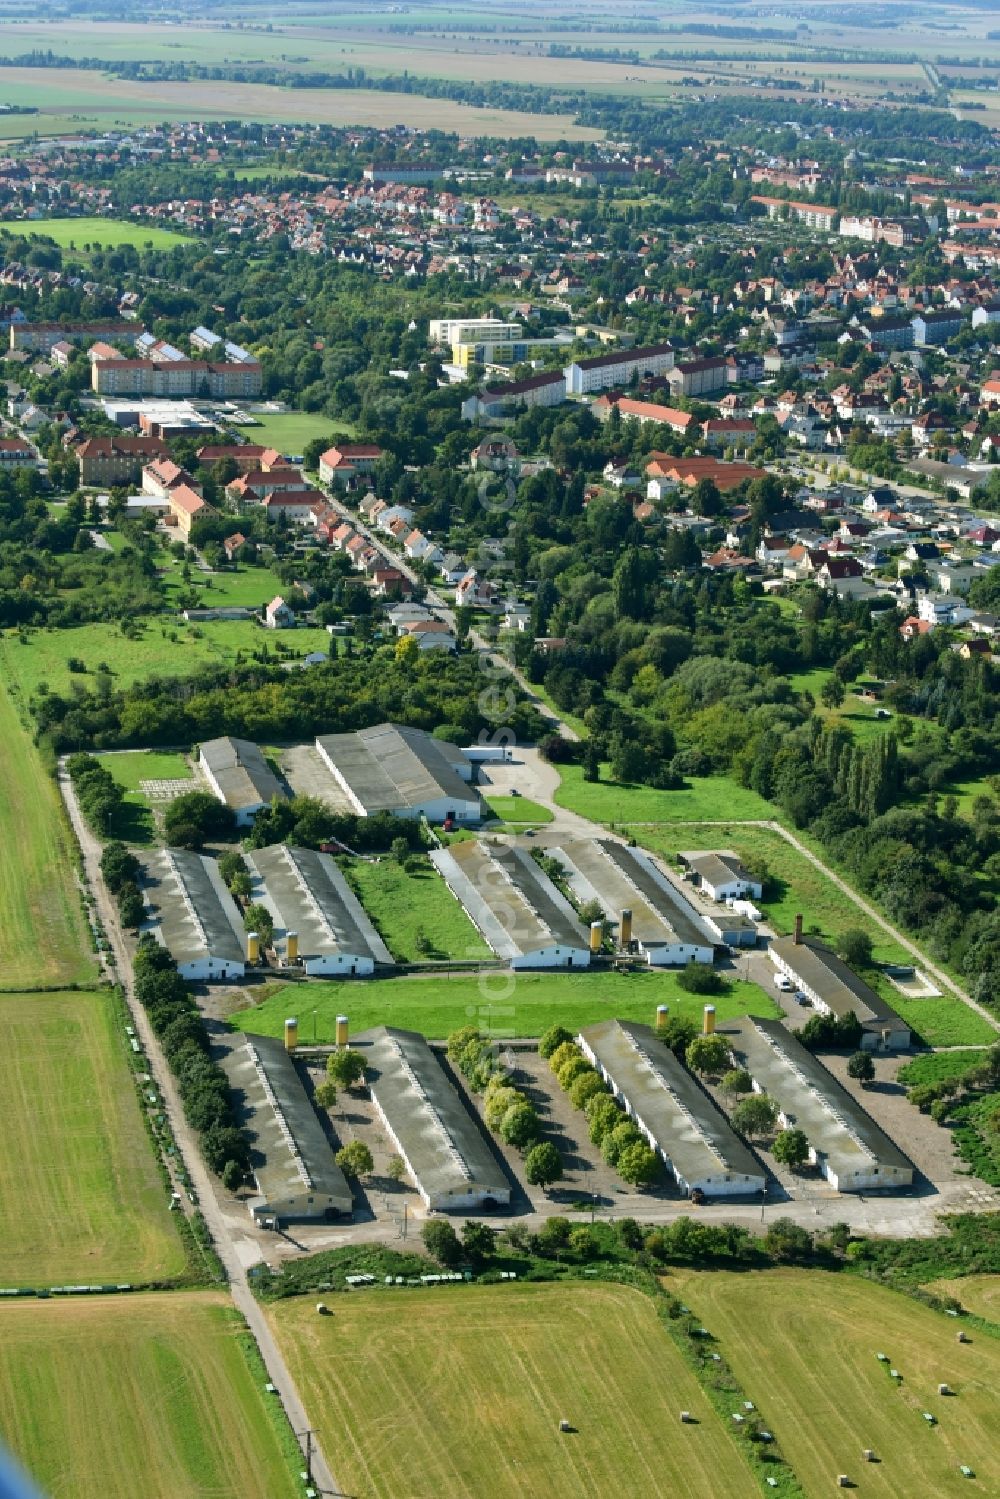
(837, 990)
(851, 1151)
(680, 1122)
(629, 888)
(318, 920)
(240, 776)
(402, 771)
(446, 1156)
(192, 914)
(294, 1168)
(516, 907)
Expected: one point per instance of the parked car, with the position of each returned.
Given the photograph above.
(803, 999)
(782, 983)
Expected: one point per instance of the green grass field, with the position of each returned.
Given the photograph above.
(43, 934)
(289, 431)
(704, 799)
(942, 1022)
(159, 1395)
(107, 234)
(244, 588)
(504, 1004)
(519, 809)
(939, 1067)
(80, 1197)
(461, 1394)
(803, 1344)
(134, 822)
(796, 885)
(166, 647)
(417, 915)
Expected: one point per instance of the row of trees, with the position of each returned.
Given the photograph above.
(507, 1110)
(621, 1143)
(98, 793)
(203, 1085)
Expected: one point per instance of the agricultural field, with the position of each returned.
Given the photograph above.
(108, 1397)
(803, 1344)
(499, 1002)
(290, 431)
(135, 822)
(703, 799)
(43, 936)
(979, 1294)
(80, 1197)
(417, 915)
(106, 234)
(163, 647)
(463, 1395)
(940, 1066)
(84, 100)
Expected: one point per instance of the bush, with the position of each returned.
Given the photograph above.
(563, 1054)
(519, 1126)
(119, 866)
(638, 1165)
(543, 1165)
(442, 1243)
(701, 978)
(345, 1068)
(785, 1240)
(355, 1159)
(602, 1113)
(498, 1100)
(587, 1086)
(619, 1139)
(196, 818)
(555, 1036)
(708, 1054)
(571, 1069)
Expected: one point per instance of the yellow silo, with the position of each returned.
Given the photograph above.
(625, 928)
(253, 947)
(708, 1025)
(291, 1033)
(292, 947)
(662, 1011)
(596, 935)
(341, 1030)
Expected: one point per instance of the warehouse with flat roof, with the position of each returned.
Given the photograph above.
(403, 771)
(318, 920)
(623, 884)
(297, 1177)
(678, 1119)
(446, 1156)
(850, 1149)
(192, 914)
(517, 908)
(239, 775)
(835, 989)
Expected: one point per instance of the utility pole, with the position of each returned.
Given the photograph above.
(309, 1452)
(405, 1207)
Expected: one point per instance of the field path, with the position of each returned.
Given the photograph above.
(187, 1144)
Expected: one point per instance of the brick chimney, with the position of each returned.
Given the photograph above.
(798, 929)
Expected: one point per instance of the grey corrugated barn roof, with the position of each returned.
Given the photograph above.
(310, 896)
(441, 1141)
(838, 986)
(189, 905)
(688, 1129)
(391, 766)
(241, 772)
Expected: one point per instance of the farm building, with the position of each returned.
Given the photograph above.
(680, 1122)
(446, 1155)
(722, 876)
(311, 902)
(663, 927)
(296, 1175)
(516, 907)
(192, 914)
(239, 775)
(403, 771)
(837, 990)
(851, 1151)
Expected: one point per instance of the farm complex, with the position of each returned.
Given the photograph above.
(500, 695)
